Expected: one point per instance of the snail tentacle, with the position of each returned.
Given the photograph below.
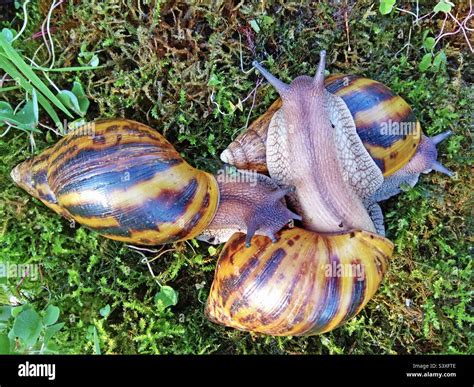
(304, 154)
(440, 137)
(318, 79)
(424, 160)
(280, 86)
(250, 203)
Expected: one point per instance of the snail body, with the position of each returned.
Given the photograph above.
(385, 124)
(127, 182)
(307, 152)
(306, 282)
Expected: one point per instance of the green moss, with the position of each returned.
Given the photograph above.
(164, 74)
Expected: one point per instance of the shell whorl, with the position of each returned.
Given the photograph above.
(304, 284)
(373, 106)
(127, 182)
(247, 151)
(385, 122)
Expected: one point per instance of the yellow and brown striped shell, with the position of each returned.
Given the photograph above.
(384, 121)
(123, 180)
(304, 284)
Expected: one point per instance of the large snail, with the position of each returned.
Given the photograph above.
(385, 124)
(304, 284)
(127, 182)
(290, 287)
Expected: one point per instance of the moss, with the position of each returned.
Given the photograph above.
(163, 62)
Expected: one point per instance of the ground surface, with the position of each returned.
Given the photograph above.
(163, 63)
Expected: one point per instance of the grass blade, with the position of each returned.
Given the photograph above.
(9, 88)
(9, 68)
(30, 74)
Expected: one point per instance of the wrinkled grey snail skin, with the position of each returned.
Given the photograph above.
(424, 161)
(319, 161)
(356, 166)
(251, 203)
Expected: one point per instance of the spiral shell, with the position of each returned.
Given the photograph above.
(248, 150)
(385, 122)
(304, 284)
(125, 181)
(374, 108)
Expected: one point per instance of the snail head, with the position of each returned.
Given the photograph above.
(425, 159)
(302, 88)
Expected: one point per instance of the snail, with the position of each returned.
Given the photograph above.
(306, 282)
(127, 182)
(303, 284)
(385, 124)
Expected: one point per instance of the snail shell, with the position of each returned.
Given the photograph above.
(126, 181)
(384, 121)
(303, 284)
(248, 150)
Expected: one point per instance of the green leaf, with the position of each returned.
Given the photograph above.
(30, 74)
(18, 309)
(26, 118)
(96, 342)
(105, 311)
(6, 108)
(51, 315)
(8, 34)
(5, 313)
(75, 99)
(386, 6)
(94, 62)
(443, 6)
(425, 63)
(51, 331)
(9, 68)
(255, 26)
(214, 80)
(167, 296)
(267, 21)
(429, 43)
(4, 344)
(84, 103)
(438, 60)
(27, 326)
